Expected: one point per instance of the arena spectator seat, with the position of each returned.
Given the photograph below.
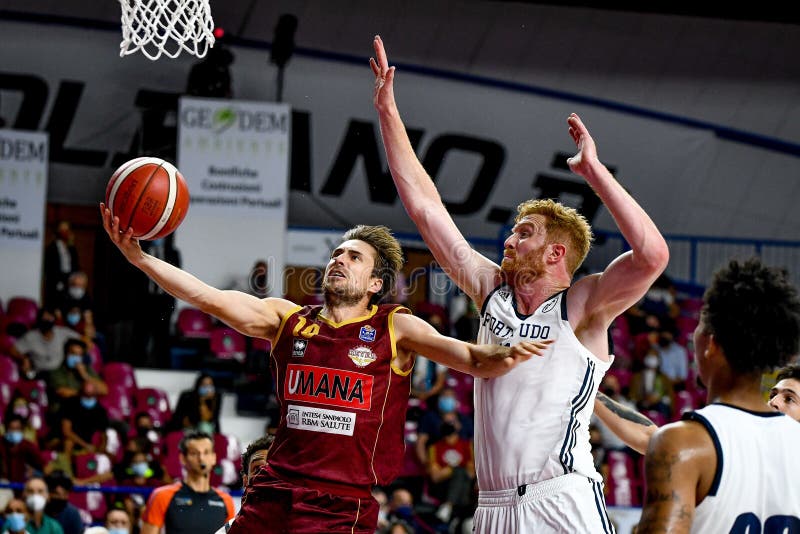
(21, 311)
(194, 324)
(117, 402)
(154, 401)
(120, 373)
(9, 372)
(35, 391)
(624, 487)
(93, 502)
(111, 442)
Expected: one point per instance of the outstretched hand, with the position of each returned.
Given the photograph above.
(587, 151)
(125, 242)
(384, 76)
(507, 358)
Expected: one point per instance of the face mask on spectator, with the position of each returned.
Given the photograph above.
(447, 404)
(73, 318)
(15, 522)
(73, 360)
(88, 402)
(118, 530)
(206, 427)
(36, 502)
(205, 390)
(140, 469)
(14, 436)
(76, 292)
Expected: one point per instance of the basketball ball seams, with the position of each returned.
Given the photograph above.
(170, 203)
(151, 201)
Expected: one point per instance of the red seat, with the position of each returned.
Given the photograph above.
(623, 376)
(685, 327)
(6, 341)
(120, 373)
(9, 371)
(91, 504)
(171, 442)
(194, 323)
(117, 402)
(91, 463)
(35, 391)
(6, 394)
(22, 310)
(691, 306)
(228, 344)
(155, 402)
(623, 484)
(113, 443)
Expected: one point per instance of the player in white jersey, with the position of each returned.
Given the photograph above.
(532, 442)
(732, 466)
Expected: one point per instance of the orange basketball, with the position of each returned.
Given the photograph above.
(148, 195)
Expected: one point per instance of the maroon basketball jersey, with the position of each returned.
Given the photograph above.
(343, 405)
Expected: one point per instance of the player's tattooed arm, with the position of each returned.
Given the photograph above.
(626, 423)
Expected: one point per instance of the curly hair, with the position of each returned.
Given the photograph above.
(791, 371)
(390, 255)
(261, 444)
(563, 224)
(754, 313)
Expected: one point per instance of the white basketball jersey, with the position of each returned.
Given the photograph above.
(757, 484)
(532, 424)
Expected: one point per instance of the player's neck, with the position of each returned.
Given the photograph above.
(531, 293)
(338, 312)
(200, 484)
(743, 392)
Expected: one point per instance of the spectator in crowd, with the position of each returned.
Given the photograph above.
(65, 382)
(136, 470)
(610, 388)
(651, 389)
(144, 428)
(427, 380)
(198, 408)
(81, 417)
(401, 509)
(256, 282)
(77, 298)
(451, 466)
(60, 260)
(191, 505)
(118, 522)
(658, 306)
(22, 407)
(673, 356)
(16, 517)
(44, 343)
(431, 424)
(59, 486)
(21, 458)
(36, 496)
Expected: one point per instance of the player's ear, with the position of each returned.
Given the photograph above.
(556, 252)
(375, 285)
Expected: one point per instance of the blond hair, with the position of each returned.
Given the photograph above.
(390, 254)
(563, 225)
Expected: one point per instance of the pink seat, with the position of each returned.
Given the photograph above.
(623, 376)
(37, 419)
(623, 483)
(691, 306)
(9, 372)
(194, 323)
(113, 443)
(91, 504)
(120, 373)
(6, 341)
(685, 326)
(117, 402)
(35, 391)
(22, 310)
(155, 402)
(228, 344)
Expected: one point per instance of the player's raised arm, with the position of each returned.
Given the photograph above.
(415, 335)
(475, 274)
(248, 314)
(629, 276)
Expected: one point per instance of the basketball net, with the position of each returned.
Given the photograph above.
(166, 27)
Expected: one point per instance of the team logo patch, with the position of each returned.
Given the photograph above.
(321, 420)
(362, 356)
(367, 333)
(331, 387)
(299, 347)
(549, 305)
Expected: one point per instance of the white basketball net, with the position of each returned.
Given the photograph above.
(166, 27)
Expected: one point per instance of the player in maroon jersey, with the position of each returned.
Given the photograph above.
(342, 377)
